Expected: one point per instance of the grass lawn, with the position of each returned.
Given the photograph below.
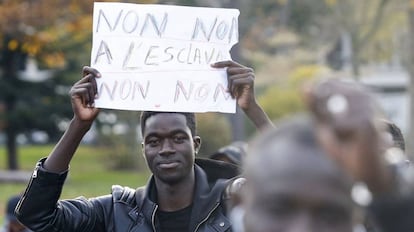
(88, 175)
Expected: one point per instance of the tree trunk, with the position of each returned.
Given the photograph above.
(355, 67)
(355, 57)
(9, 66)
(11, 145)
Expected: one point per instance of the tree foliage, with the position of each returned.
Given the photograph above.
(214, 130)
(373, 27)
(30, 30)
(285, 98)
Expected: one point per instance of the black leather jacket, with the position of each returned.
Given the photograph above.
(124, 209)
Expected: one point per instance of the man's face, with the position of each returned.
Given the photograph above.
(169, 147)
(298, 195)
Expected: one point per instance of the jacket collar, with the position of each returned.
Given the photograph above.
(206, 196)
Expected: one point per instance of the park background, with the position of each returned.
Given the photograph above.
(45, 43)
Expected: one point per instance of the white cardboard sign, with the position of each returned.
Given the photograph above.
(157, 57)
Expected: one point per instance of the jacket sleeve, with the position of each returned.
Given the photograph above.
(40, 209)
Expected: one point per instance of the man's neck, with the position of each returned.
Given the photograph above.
(173, 197)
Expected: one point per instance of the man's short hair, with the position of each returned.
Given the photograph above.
(11, 205)
(234, 152)
(190, 118)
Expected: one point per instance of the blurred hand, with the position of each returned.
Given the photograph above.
(348, 129)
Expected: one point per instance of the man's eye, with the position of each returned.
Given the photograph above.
(153, 142)
(179, 139)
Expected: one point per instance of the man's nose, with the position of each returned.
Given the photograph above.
(167, 147)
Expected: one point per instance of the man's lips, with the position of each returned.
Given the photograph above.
(168, 164)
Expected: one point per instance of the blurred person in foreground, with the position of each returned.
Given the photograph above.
(317, 172)
(11, 224)
(182, 194)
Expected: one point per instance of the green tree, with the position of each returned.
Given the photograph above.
(372, 23)
(30, 30)
(214, 130)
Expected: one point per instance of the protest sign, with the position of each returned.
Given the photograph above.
(157, 57)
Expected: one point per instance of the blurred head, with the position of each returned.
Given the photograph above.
(233, 153)
(169, 145)
(292, 186)
(13, 225)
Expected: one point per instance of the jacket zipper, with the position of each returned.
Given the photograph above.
(153, 217)
(205, 219)
(34, 176)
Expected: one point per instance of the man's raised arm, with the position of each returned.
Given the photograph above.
(241, 86)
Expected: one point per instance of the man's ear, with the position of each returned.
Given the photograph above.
(143, 149)
(197, 143)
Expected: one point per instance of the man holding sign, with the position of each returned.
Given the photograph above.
(180, 196)
(147, 64)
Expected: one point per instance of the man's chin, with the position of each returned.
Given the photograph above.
(171, 181)
(170, 178)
